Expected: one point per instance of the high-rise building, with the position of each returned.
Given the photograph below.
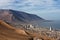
(50, 28)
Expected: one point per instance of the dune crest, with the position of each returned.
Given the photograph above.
(8, 32)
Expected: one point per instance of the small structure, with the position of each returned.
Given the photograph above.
(35, 38)
(50, 28)
(29, 26)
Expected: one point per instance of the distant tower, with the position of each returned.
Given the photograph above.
(50, 28)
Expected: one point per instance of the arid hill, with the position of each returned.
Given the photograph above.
(18, 16)
(8, 32)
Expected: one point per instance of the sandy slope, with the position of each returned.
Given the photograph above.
(8, 32)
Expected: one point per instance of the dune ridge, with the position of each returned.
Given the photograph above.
(8, 32)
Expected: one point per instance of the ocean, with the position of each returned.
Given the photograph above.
(53, 24)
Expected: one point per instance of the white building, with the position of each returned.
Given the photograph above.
(50, 28)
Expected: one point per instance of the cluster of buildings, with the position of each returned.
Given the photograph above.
(50, 32)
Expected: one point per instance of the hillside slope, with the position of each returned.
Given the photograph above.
(18, 16)
(8, 32)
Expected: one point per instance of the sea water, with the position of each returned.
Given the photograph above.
(53, 24)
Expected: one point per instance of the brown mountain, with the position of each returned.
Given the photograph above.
(9, 15)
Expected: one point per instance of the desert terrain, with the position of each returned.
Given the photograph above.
(8, 32)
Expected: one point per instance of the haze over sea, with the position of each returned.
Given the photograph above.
(53, 24)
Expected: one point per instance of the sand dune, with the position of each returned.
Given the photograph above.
(8, 32)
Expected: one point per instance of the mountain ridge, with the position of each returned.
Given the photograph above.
(10, 15)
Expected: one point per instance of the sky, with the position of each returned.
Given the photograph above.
(47, 9)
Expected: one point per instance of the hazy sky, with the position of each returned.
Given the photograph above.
(47, 9)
